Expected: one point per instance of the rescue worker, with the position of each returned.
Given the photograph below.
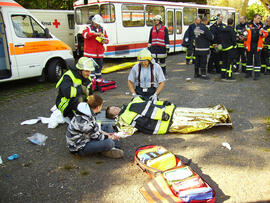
(203, 38)
(254, 44)
(159, 43)
(241, 58)
(75, 86)
(266, 50)
(228, 42)
(188, 43)
(94, 37)
(215, 59)
(146, 78)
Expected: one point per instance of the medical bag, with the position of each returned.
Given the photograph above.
(103, 85)
(172, 180)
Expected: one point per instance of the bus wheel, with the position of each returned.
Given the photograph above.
(55, 70)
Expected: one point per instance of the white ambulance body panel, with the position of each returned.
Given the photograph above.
(59, 22)
(27, 49)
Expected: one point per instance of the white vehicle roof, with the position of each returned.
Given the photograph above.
(81, 3)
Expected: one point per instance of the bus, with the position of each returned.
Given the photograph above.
(128, 22)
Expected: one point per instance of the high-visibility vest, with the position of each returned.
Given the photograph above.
(138, 111)
(247, 43)
(158, 37)
(73, 90)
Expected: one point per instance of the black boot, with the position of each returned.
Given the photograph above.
(248, 74)
(204, 76)
(267, 72)
(196, 73)
(256, 75)
(187, 61)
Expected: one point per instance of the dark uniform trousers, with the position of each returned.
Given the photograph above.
(190, 54)
(226, 70)
(145, 94)
(241, 59)
(214, 63)
(257, 63)
(200, 62)
(265, 67)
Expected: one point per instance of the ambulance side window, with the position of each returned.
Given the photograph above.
(26, 27)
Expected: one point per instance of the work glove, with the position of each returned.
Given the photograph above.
(85, 90)
(165, 116)
(154, 97)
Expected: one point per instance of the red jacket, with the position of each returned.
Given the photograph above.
(93, 48)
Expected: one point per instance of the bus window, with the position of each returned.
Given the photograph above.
(71, 24)
(92, 10)
(26, 27)
(232, 15)
(225, 16)
(189, 15)
(132, 15)
(152, 11)
(170, 22)
(78, 16)
(82, 14)
(204, 13)
(214, 12)
(178, 22)
(107, 12)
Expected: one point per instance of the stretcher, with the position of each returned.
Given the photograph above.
(118, 67)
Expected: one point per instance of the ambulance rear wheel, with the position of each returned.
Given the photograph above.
(55, 70)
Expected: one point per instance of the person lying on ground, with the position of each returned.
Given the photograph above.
(84, 136)
(161, 117)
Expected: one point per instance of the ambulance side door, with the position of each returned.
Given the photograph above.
(29, 45)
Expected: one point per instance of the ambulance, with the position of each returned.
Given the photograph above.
(27, 48)
(60, 23)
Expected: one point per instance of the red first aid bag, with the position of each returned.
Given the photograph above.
(103, 85)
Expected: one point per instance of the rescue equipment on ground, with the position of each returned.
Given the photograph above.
(118, 67)
(173, 181)
(103, 85)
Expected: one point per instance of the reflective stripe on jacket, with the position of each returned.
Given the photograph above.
(158, 37)
(147, 116)
(63, 99)
(93, 48)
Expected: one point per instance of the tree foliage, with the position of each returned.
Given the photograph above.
(256, 8)
(47, 4)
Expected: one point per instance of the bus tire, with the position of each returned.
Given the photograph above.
(55, 70)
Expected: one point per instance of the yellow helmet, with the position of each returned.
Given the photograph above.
(86, 63)
(144, 54)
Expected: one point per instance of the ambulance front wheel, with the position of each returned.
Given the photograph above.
(55, 70)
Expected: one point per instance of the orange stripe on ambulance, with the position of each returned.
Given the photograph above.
(27, 49)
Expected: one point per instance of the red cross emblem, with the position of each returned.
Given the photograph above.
(56, 23)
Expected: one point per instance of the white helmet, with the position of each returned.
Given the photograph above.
(97, 19)
(86, 63)
(158, 17)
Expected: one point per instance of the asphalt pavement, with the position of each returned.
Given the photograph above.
(51, 174)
